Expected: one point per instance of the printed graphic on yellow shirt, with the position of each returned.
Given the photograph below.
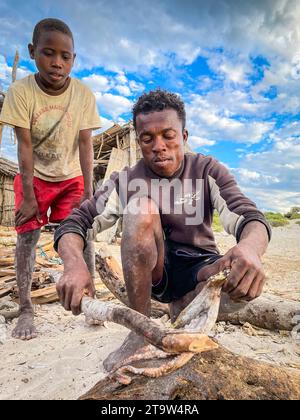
(51, 127)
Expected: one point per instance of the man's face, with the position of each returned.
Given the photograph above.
(54, 57)
(161, 138)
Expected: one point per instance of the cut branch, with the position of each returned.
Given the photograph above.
(168, 340)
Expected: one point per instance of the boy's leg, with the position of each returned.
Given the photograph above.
(142, 252)
(25, 260)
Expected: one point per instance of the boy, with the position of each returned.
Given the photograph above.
(53, 116)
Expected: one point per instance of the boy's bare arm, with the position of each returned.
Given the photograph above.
(86, 156)
(29, 206)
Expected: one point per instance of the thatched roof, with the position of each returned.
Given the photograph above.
(110, 138)
(8, 168)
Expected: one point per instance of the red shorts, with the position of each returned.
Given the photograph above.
(60, 197)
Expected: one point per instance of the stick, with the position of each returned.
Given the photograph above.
(169, 341)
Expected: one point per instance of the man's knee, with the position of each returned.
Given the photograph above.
(141, 213)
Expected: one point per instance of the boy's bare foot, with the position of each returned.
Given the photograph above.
(130, 345)
(25, 330)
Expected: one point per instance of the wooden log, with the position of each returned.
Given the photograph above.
(6, 291)
(213, 375)
(111, 275)
(268, 311)
(5, 261)
(170, 341)
(15, 67)
(7, 272)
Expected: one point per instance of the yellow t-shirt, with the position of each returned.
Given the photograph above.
(54, 122)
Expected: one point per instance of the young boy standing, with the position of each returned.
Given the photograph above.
(53, 116)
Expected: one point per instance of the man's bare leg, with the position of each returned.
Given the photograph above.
(142, 251)
(25, 259)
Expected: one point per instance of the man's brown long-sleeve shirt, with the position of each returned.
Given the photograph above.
(201, 185)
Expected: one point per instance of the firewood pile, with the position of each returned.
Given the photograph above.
(48, 268)
(47, 271)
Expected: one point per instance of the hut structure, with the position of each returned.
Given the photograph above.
(8, 171)
(114, 149)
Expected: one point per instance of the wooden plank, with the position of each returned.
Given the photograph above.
(7, 279)
(49, 294)
(132, 147)
(45, 295)
(7, 272)
(100, 149)
(6, 291)
(118, 160)
(6, 261)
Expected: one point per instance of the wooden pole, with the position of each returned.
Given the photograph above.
(15, 67)
(132, 147)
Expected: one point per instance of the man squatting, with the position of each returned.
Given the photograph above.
(163, 255)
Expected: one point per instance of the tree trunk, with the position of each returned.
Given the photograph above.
(213, 375)
(268, 311)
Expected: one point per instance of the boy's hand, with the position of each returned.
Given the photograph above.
(87, 195)
(27, 210)
(72, 286)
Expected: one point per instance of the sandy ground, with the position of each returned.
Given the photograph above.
(65, 360)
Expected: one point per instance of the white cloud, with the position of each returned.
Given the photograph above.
(106, 124)
(121, 78)
(97, 82)
(113, 105)
(249, 177)
(136, 86)
(277, 200)
(130, 36)
(208, 120)
(274, 175)
(232, 68)
(5, 73)
(8, 147)
(123, 90)
(196, 141)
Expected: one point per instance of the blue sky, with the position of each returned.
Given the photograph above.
(235, 63)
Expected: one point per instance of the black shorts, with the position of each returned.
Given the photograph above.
(180, 271)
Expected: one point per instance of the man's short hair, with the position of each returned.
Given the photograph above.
(48, 25)
(158, 100)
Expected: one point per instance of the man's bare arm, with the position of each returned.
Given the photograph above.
(247, 277)
(76, 278)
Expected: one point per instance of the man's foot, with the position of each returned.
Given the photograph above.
(130, 345)
(25, 330)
